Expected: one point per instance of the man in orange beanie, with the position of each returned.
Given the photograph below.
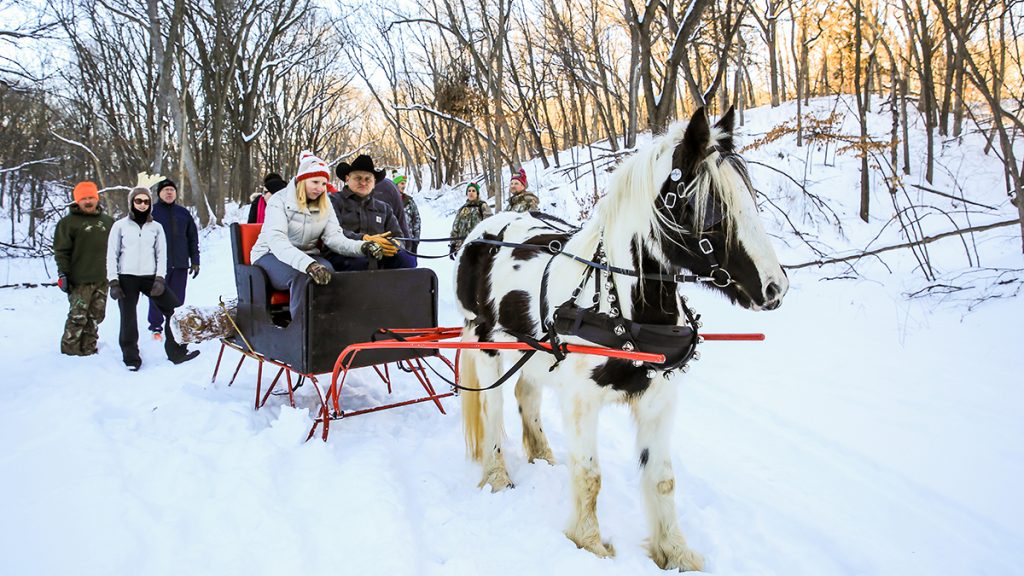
(80, 248)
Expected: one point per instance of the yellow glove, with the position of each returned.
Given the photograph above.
(390, 247)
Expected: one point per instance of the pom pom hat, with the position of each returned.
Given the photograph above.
(310, 166)
(521, 176)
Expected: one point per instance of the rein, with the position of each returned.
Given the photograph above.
(555, 248)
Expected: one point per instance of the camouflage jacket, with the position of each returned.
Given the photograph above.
(524, 202)
(471, 214)
(412, 215)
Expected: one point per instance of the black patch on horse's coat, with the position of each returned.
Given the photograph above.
(514, 313)
(621, 375)
(515, 266)
(473, 286)
(644, 455)
(657, 306)
(524, 253)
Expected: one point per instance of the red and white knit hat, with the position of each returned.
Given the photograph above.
(310, 166)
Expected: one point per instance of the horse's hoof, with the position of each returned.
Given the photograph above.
(498, 480)
(677, 557)
(593, 545)
(546, 456)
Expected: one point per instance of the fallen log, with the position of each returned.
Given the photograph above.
(195, 324)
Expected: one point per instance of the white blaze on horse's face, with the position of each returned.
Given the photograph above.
(751, 238)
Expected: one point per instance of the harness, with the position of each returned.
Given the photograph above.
(610, 329)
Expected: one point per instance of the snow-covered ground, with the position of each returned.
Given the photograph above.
(869, 434)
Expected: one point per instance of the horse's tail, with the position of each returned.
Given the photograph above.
(472, 406)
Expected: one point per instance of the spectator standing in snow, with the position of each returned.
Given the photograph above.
(468, 216)
(80, 248)
(182, 248)
(364, 217)
(297, 219)
(272, 183)
(521, 200)
(136, 262)
(412, 213)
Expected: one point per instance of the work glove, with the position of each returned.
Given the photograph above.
(372, 250)
(319, 273)
(63, 284)
(194, 270)
(158, 287)
(115, 290)
(389, 246)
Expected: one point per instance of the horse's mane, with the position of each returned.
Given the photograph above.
(628, 212)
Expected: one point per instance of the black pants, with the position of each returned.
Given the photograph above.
(166, 302)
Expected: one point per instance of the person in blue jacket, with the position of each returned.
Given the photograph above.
(182, 248)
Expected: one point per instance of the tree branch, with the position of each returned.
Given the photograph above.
(925, 240)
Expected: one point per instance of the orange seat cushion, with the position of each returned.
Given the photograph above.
(248, 234)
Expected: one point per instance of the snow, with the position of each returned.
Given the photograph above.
(871, 433)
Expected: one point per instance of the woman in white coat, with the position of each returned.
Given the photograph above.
(136, 261)
(296, 218)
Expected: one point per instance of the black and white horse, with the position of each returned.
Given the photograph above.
(684, 203)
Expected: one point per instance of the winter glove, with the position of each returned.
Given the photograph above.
(389, 246)
(372, 250)
(115, 290)
(194, 270)
(319, 273)
(63, 284)
(158, 287)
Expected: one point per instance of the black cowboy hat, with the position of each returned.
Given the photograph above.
(363, 163)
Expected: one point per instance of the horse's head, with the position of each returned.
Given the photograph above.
(708, 218)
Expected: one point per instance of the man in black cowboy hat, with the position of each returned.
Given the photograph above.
(362, 217)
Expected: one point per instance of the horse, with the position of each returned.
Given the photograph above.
(683, 203)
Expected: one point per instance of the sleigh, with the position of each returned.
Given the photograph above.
(347, 310)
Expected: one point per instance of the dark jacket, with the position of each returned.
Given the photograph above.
(387, 192)
(363, 215)
(182, 234)
(254, 209)
(80, 246)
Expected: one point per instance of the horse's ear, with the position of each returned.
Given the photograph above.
(727, 121)
(698, 134)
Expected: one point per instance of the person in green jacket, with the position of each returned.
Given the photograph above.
(80, 248)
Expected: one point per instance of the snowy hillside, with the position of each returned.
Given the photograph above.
(871, 433)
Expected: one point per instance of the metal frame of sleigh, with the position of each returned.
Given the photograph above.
(358, 320)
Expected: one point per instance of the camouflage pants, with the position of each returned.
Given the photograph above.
(88, 308)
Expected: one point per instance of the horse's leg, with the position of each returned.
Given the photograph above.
(489, 427)
(653, 412)
(535, 443)
(580, 408)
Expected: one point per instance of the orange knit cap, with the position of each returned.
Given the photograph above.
(85, 190)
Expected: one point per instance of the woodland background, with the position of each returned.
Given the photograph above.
(216, 93)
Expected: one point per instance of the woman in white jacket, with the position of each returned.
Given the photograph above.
(296, 218)
(136, 259)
